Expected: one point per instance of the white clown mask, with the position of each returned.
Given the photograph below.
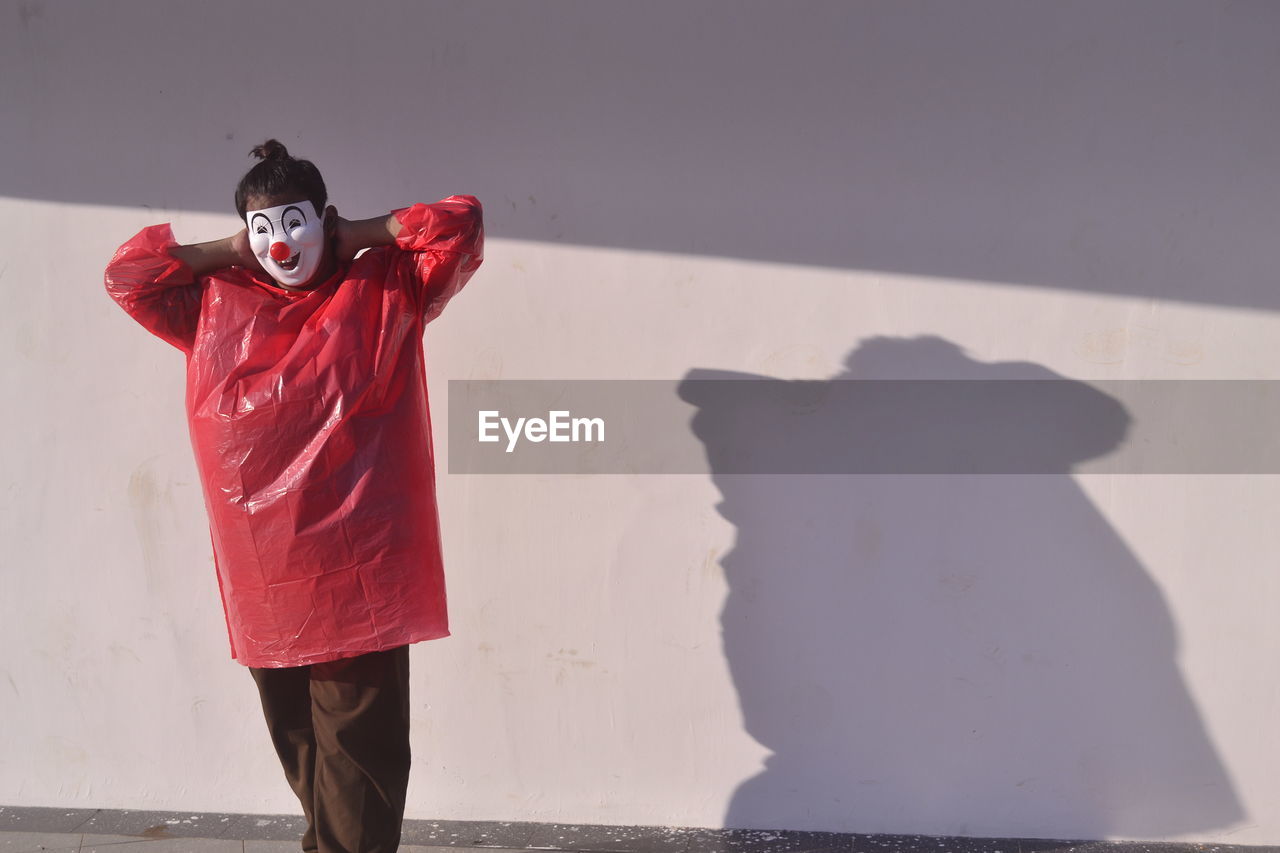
(288, 240)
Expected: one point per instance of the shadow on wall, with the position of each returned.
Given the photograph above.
(951, 654)
(1122, 148)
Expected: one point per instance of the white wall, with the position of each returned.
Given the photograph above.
(1084, 187)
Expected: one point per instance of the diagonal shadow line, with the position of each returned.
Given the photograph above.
(1093, 147)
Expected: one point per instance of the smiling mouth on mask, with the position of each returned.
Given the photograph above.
(289, 264)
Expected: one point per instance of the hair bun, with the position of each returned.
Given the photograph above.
(272, 149)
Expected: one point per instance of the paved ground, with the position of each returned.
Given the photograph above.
(64, 842)
(67, 842)
(28, 830)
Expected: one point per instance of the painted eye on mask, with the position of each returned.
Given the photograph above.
(294, 223)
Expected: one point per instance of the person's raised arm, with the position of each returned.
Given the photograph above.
(447, 241)
(354, 235)
(156, 281)
(205, 258)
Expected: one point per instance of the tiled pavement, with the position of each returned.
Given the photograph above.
(28, 830)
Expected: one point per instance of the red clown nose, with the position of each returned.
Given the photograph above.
(280, 252)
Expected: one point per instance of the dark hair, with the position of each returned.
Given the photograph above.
(279, 173)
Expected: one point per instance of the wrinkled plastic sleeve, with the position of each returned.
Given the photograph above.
(155, 288)
(447, 242)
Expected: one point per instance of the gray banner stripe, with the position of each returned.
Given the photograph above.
(765, 426)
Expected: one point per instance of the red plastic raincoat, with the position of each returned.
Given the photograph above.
(308, 415)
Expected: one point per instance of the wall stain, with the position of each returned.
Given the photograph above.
(710, 566)
(486, 364)
(119, 650)
(570, 656)
(28, 12)
(151, 504)
(1114, 346)
(1104, 347)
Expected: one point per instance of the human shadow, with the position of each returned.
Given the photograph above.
(949, 652)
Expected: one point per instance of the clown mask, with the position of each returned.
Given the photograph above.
(288, 240)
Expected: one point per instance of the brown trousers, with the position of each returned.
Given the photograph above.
(341, 729)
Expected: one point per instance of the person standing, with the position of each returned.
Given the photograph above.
(307, 406)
